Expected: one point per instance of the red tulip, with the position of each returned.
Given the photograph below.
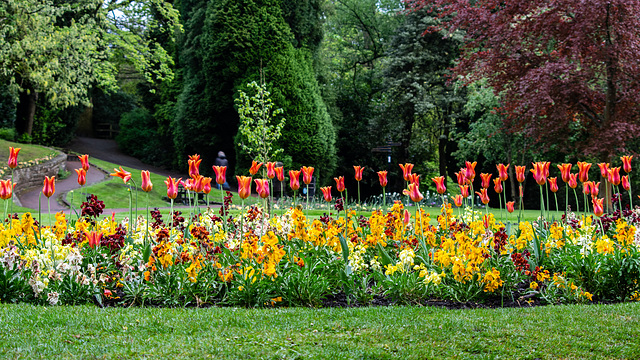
(464, 190)
(604, 169)
(583, 172)
(206, 185)
(553, 184)
(13, 157)
(510, 206)
(595, 188)
(586, 187)
(339, 183)
(486, 180)
(294, 179)
(539, 173)
(382, 176)
(626, 163)
(6, 189)
(406, 170)
(172, 187)
(614, 176)
(221, 174)
(625, 183)
(94, 238)
(82, 176)
(440, 187)
(84, 160)
(146, 181)
(244, 186)
(255, 166)
(470, 171)
(262, 187)
(502, 171)
(484, 196)
(573, 181)
(279, 173)
(565, 170)
(413, 192)
(194, 165)
(546, 166)
(520, 173)
(49, 186)
(407, 217)
(271, 170)
(307, 174)
(326, 192)
(458, 200)
(358, 170)
(461, 177)
(124, 175)
(598, 208)
(497, 185)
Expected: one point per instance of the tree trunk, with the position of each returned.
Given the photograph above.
(25, 111)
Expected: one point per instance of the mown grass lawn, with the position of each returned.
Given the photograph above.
(549, 332)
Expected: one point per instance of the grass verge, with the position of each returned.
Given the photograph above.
(301, 333)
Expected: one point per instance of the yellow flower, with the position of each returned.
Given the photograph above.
(533, 285)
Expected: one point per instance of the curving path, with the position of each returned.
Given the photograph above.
(102, 149)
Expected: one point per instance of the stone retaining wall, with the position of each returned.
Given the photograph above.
(33, 176)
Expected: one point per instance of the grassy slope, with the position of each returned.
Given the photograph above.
(365, 333)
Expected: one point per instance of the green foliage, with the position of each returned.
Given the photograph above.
(259, 127)
(54, 126)
(138, 137)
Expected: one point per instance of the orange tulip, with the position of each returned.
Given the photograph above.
(458, 200)
(194, 165)
(94, 238)
(124, 175)
(520, 173)
(6, 189)
(407, 217)
(486, 180)
(413, 192)
(84, 160)
(326, 192)
(382, 176)
(262, 187)
(497, 185)
(604, 169)
(271, 170)
(583, 172)
(484, 196)
(546, 166)
(539, 173)
(464, 190)
(625, 183)
(470, 171)
(244, 186)
(221, 174)
(598, 208)
(573, 181)
(626, 163)
(440, 187)
(13, 157)
(255, 166)
(553, 184)
(339, 183)
(307, 174)
(294, 179)
(146, 181)
(406, 170)
(586, 187)
(595, 188)
(206, 185)
(49, 187)
(510, 206)
(358, 170)
(414, 179)
(172, 187)
(502, 171)
(565, 170)
(279, 173)
(614, 176)
(461, 177)
(82, 176)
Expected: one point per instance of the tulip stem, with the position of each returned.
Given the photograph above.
(6, 206)
(575, 194)
(281, 197)
(130, 211)
(171, 219)
(146, 234)
(307, 214)
(384, 198)
(521, 207)
(548, 207)
(359, 204)
(556, 197)
(619, 199)
(241, 222)
(541, 205)
(224, 212)
(500, 202)
(566, 205)
(12, 191)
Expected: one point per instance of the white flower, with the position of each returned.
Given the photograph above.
(52, 297)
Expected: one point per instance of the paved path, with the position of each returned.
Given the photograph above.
(102, 149)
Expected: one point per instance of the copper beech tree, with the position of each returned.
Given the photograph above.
(563, 67)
